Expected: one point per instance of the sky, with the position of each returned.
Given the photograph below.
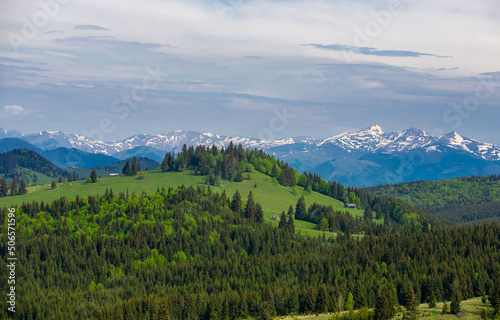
(263, 69)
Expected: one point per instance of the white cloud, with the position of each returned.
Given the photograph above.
(10, 111)
(13, 110)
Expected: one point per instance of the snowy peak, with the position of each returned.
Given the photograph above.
(415, 132)
(4, 133)
(409, 139)
(375, 129)
(481, 150)
(452, 138)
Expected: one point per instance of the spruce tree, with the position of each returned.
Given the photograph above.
(235, 204)
(368, 215)
(384, 308)
(432, 300)
(456, 298)
(300, 209)
(13, 187)
(290, 223)
(22, 187)
(135, 167)
(163, 313)
(165, 164)
(4, 187)
(494, 296)
(378, 211)
(127, 170)
(413, 306)
(54, 184)
(283, 225)
(259, 213)
(250, 207)
(444, 310)
(387, 220)
(93, 176)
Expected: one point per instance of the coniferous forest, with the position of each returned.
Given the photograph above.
(192, 253)
(473, 199)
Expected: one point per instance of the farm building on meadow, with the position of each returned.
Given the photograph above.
(351, 205)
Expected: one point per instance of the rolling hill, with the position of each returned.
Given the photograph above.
(273, 197)
(26, 164)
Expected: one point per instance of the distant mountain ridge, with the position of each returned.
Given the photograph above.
(366, 157)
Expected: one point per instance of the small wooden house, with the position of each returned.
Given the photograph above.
(350, 205)
(275, 217)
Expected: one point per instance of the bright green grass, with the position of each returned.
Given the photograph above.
(273, 197)
(40, 176)
(471, 307)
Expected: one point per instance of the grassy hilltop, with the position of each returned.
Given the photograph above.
(273, 197)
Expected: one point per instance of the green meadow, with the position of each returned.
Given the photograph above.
(273, 197)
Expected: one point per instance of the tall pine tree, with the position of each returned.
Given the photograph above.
(13, 187)
(300, 209)
(4, 187)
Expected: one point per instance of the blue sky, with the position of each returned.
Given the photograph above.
(110, 69)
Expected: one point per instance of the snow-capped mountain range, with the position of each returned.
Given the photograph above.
(368, 140)
(343, 154)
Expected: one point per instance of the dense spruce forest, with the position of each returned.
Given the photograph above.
(189, 253)
(474, 199)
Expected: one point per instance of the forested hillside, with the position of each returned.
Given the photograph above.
(472, 199)
(234, 162)
(17, 163)
(194, 254)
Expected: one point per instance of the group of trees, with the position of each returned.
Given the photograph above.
(192, 253)
(287, 221)
(131, 169)
(13, 190)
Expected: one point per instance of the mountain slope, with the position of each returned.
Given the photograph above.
(9, 144)
(20, 163)
(142, 152)
(71, 157)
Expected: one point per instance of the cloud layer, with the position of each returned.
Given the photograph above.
(227, 66)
